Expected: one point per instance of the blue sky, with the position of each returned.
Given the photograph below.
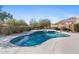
(53, 12)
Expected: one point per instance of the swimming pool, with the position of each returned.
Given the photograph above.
(36, 38)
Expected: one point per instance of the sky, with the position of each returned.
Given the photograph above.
(54, 13)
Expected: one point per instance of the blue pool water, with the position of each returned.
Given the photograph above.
(36, 38)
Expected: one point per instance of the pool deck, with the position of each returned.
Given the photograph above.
(63, 45)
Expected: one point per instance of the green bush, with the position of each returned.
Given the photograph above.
(76, 27)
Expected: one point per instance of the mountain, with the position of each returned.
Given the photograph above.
(69, 20)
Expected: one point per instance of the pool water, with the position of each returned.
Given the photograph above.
(36, 38)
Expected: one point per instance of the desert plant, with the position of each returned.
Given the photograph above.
(14, 26)
(19, 29)
(56, 28)
(76, 27)
(20, 23)
(11, 22)
(41, 24)
(34, 24)
(65, 29)
(14, 22)
(44, 23)
(7, 30)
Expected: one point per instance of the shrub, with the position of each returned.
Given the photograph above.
(76, 27)
(41, 24)
(7, 30)
(19, 29)
(45, 23)
(14, 26)
(65, 29)
(1, 28)
(56, 28)
(34, 24)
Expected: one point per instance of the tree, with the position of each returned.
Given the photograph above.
(4, 15)
(33, 24)
(15, 22)
(11, 22)
(21, 23)
(45, 23)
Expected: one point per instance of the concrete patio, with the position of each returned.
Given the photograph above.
(63, 45)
